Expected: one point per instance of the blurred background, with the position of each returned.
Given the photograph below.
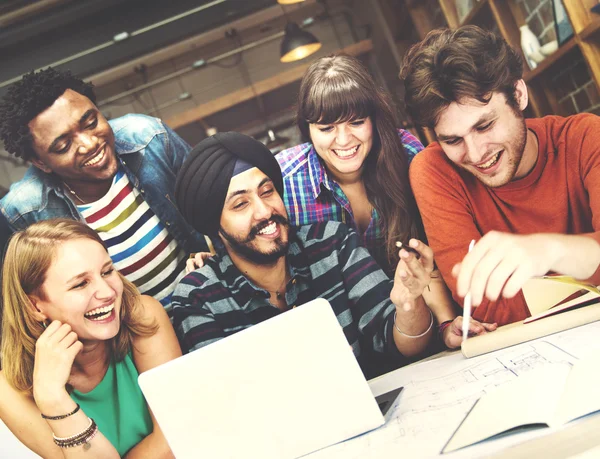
(207, 66)
(201, 66)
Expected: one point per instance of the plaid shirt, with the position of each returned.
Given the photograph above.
(325, 260)
(312, 196)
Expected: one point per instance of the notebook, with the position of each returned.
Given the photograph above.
(550, 396)
(280, 389)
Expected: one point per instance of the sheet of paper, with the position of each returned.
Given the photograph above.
(530, 399)
(517, 332)
(582, 394)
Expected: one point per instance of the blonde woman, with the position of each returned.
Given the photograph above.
(75, 336)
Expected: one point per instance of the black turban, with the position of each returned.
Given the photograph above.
(203, 180)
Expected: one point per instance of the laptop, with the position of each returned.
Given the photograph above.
(280, 389)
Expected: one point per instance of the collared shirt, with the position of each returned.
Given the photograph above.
(311, 195)
(325, 260)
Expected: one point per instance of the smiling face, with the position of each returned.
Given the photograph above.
(72, 139)
(254, 221)
(343, 147)
(488, 140)
(82, 289)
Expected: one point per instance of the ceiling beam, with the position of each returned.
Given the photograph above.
(213, 37)
(25, 12)
(260, 87)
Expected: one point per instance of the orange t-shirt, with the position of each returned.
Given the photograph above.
(560, 195)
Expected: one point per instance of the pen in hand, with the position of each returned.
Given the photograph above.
(408, 248)
(467, 307)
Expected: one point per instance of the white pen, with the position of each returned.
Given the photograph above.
(467, 307)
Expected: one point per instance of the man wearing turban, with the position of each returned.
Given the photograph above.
(230, 188)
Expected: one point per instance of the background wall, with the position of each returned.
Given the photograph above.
(575, 89)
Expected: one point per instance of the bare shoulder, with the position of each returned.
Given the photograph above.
(152, 307)
(161, 346)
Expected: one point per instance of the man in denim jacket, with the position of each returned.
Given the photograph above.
(117, 176)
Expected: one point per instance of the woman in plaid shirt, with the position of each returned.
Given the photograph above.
(355, 170)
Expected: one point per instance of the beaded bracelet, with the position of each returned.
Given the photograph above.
(61, 416)
(442, 327)
(79, 438)
(415, 336)
(82, 441)
(91, 421)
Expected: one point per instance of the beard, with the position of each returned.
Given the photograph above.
(516, 149)
(244, 248)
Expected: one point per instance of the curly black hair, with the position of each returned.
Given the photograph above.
(27, 98)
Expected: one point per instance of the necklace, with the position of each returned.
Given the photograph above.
(74, 194)
(281, 290)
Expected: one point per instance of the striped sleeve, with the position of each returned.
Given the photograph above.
(193, 319)
(368, 290)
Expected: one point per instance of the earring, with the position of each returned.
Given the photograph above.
(44, 324)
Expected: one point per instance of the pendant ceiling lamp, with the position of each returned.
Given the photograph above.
(288, 2)
(297, 43)
(274, 142)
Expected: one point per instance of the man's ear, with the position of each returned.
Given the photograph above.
(37, 312)
(40, 165)
(521, 94)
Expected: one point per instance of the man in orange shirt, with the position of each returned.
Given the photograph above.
(528, 191)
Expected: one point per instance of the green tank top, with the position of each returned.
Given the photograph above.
(118, 406)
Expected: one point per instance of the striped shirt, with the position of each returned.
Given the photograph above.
(325, 260)
(138, 243)
(312, 196)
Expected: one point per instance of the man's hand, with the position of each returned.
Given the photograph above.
(452, 336)
(196, 261)
(501, 263)
(412, 274)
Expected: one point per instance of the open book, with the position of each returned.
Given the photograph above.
(550, 396)
(556, 303)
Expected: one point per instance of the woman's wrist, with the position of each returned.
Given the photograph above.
(55, 405)
(443, 330)
(415, 320)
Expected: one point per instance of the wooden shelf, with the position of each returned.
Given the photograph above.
(591, 30)
(550, 60)
(504, 17)
(470, 18)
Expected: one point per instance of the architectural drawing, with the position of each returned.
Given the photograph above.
(436, 397)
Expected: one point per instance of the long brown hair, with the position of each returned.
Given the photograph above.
(28, 257)
(337, 89)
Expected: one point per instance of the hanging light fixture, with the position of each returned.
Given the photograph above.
(297, 43)
(288, 2)
(274, 141)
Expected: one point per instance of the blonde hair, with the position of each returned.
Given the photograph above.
(28, 257)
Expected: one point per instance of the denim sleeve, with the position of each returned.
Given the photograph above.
(5, 233)
(177, 149)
